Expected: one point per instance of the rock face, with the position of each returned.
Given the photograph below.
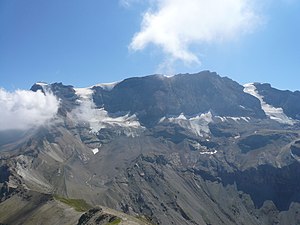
(188, 149)
(153, 97)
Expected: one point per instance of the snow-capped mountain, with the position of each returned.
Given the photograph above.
(187, 149)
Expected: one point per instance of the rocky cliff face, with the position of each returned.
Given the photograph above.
(154, 97)
(188, 149)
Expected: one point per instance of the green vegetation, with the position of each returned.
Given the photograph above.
(115, 222)
(78, 204)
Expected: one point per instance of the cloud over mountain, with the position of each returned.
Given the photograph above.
(176, 25)
(22, 109)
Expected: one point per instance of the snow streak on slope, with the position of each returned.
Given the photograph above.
(236, 119)
(274, 113)
(99, 118)
(197, 125)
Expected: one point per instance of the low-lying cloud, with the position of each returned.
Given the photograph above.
(22, 109)
(176, 25)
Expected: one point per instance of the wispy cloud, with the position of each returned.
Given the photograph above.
(127, 3)
(176, 25)
(22, 109)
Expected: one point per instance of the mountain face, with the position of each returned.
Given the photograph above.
(187, 149)
(286, 100)
(153, 97)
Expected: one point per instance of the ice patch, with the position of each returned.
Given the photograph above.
(203, 150)
(162, 119)
(237, 136)
(107, 86)
(84, 93)
(200, 122)
(43, 84)
(99, 118)
(236, 119)
(272, 112)
(197, 125)
(87, 92)
(222, 118)
(95, 151)
(208, 153)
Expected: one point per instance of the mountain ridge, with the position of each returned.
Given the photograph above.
(188, 149)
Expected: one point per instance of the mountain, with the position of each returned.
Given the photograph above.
(188, 149)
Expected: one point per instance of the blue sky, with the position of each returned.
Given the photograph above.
(88, 42)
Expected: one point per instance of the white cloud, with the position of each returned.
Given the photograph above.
(175, 25)
(22, 109)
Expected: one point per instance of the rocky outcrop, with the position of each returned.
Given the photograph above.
(96, 216)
